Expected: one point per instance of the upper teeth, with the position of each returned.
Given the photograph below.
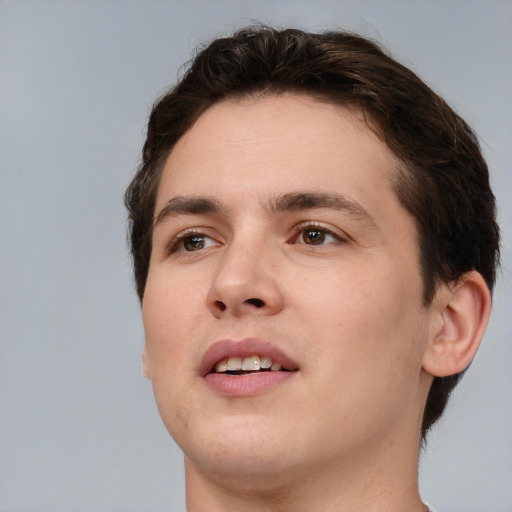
(250, 363)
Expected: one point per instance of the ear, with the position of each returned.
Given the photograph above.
(145, 364)
(462, 313)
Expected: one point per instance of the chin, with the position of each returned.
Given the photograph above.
(243, 472)
(244, 454)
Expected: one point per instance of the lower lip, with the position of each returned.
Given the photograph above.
(246, 385)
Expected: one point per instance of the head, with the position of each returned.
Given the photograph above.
(441, 180)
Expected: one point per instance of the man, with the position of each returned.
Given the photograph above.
(314, 245)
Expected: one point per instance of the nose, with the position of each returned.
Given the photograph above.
(245, 283)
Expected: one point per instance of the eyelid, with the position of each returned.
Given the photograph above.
(172, 247)
(341, 236)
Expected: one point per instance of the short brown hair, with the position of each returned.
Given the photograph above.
(443, 181)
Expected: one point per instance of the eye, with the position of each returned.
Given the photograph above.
(312, 234)
(190, 241)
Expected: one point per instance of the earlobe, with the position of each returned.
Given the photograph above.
(145, 364)
(464, 311)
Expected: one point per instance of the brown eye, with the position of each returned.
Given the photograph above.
(313, 236)
(193, 243)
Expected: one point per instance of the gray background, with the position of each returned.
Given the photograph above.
(78, 427)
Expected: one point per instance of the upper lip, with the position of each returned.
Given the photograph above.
(224, 349)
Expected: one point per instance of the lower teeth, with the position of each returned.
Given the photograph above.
(245, 372)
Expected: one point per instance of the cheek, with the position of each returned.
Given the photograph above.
(363, 311)
(169, 311)
(341, 296)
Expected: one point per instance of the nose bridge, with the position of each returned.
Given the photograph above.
(246, 279)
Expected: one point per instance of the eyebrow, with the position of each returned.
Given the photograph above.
(187, 205)
(294, 201)
(297, 201)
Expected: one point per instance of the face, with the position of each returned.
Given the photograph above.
(278, 240)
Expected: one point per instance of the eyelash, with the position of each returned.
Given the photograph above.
(181, 237)
(300, 229)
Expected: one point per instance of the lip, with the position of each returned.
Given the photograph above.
(250, 384)
(224, 349)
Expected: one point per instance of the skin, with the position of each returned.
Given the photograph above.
(343, 432)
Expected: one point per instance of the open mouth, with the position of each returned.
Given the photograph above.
(245, 368)
(229, 360)
(247, 365)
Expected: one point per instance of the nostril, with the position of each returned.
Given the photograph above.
(256, 302)
(220, 305)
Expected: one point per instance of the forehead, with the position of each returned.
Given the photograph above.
(258, 145)
(278, 121)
